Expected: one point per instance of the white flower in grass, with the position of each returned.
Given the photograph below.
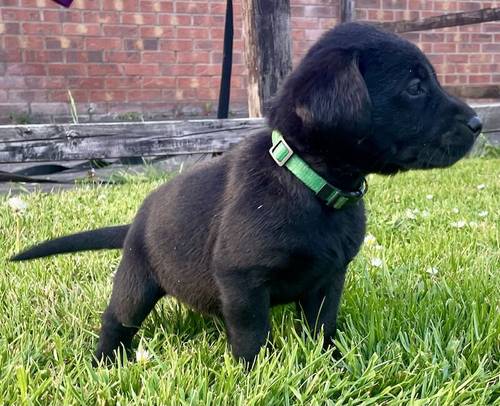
(459, 224)
(432, 271)
(483, 213)
(481, 186)
(429, 197)
(473, 224)
(425, 214)
(454, 210)
(411, 214)
(370, 240)
(376, 262)
(17, 205)
(142, 355)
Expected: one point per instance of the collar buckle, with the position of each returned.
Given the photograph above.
(281, 152)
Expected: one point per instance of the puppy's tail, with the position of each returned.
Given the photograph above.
(102, 238)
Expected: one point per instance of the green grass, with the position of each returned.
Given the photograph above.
(419, 322)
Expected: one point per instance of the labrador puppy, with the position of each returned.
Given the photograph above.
(242, 233)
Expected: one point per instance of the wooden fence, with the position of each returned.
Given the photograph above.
(69, 142)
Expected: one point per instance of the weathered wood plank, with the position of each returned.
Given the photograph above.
(446, 20)
(36, 132)
(266, 27)
(123, 144)
(490, 116)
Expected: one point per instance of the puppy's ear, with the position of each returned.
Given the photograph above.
(332, 93)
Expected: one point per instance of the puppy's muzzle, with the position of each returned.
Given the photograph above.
(475, 125)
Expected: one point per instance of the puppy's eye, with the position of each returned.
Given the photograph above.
(415, 88)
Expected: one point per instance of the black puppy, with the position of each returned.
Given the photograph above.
(242, 233)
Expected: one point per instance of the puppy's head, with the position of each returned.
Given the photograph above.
(372, 99)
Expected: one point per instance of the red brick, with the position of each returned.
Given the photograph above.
(481, 37)
(104, 69)
(207, 21)
(141, 69)
(198, 57)
(66, 69)
(157, 32)
(368, 4)
(139, 19)
(207, 45)
(50, 82)
(101, 17)
(129, 82)
(194, 82)
(490, 48)
(84, 56)
(467, 68)
(86, 83)
(176, 20)
(147, 6)
(193, 33)
(159, 82)
(80, 96)
(469, 48)
(207, 94)
(491, 27)
(177, 70)
(123, 56)
(444, 47)
(19, 14)
(218, 8)
(10, 3)
(11, 55)
(26, 69)
(144, 95)
(454, 80)
(86, 4)
(479, 79)
(490, 68)
(13, 82)
(102, 43)
(481, 58)
(81, 29)
(41, 28)
(54, 16)
(11, 28)
(158, 57)
(108, 95)
(121, 31)
(176, 45)
(458, 58)
(27, 96)
(43, 56)
(191, 7)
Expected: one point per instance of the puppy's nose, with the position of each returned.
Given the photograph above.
(475, 125)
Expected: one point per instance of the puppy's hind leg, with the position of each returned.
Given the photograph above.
(134, 295)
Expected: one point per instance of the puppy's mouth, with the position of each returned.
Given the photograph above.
(448, 148)
(439, 156)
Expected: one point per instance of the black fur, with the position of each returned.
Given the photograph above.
(238, 235)
(103, 238)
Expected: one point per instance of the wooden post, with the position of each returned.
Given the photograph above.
(346, 11)
(266, 31)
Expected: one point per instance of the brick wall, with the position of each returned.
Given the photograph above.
(162, 59)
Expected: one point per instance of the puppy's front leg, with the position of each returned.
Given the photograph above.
(320, 306)
(245, 308)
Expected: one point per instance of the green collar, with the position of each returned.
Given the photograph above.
(283, 155)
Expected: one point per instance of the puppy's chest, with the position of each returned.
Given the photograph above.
(323, 245)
